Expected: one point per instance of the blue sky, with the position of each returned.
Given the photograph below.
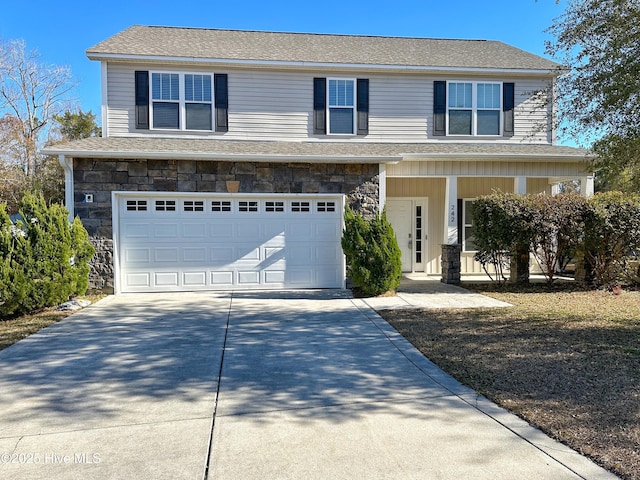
(62, 30)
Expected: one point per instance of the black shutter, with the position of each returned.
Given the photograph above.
(220, 85)
(363, 106)
(508, 103)
(319, 106)
(142, 100)
(439, 108)
(460, 224)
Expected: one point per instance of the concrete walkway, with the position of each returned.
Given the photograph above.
(431, 293)
(290, 385)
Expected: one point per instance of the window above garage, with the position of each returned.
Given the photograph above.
(181, 101)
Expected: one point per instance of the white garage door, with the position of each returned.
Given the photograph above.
(183, 242)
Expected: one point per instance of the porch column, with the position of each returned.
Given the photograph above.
(520, 185)
(451, 213)
(451, 264)
(67, 166)
(587, 186)
(382, 187)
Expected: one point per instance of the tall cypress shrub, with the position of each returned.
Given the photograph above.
(44, 258)
(15, 285)
(372, 253)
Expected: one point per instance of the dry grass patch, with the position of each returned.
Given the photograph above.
(15, 329)
(568, 362)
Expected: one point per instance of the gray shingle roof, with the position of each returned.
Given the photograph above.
(238, 45)
(212, 149)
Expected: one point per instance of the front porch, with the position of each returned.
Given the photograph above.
(428, 203)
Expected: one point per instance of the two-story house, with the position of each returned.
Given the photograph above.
(227, 157)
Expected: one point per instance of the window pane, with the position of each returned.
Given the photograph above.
(488, 95)
(459, 122)
(469, 244)
(460, 95)
(165, 115)
(198, 116)
(165, 86)
(341, 93)
(197, 88)
(341, 120)
(468, 217)
(488, 122)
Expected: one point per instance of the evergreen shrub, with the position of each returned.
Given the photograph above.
(372, 253)
(45, 259)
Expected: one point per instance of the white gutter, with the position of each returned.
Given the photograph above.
(540, 157)
(67, 166)
(168, 155)
(319, 65)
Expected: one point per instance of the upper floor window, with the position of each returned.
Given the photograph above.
(181, 101)
(340, 106)
(474, 108)
(341, 99)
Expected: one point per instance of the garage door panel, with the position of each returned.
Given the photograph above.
(222, 255)
(277, 277)
(136, 230)
(248, 253)
(194, 279)
(283, 243)
(162, 254)
(300, 231)
(166, 279)
(274, 230)
(138, 279)
(165, 230)
(190, 230)
(137, 255)
(218, 229)
(327, 230)
(222, 279)
(194, 254)
(248, 278)
(248, 230)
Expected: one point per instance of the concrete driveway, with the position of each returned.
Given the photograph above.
(290, 385)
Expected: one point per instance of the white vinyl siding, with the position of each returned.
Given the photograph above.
(481, 168)
(533, 119)
(278, 105)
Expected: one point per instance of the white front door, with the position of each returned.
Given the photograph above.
(408, 216)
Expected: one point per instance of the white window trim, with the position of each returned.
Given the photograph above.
(353, 108)
(182, 110)
(475, 109)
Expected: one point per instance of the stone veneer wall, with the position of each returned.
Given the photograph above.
(100, 177)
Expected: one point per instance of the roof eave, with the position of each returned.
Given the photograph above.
(533, 157)
(130, 58)
(230, 157)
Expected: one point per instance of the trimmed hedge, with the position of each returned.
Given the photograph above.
(603, 231)
(44, 259)
(372, 253)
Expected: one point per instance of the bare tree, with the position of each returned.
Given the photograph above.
(31, 94)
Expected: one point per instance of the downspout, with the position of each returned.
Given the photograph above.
(67, 166)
